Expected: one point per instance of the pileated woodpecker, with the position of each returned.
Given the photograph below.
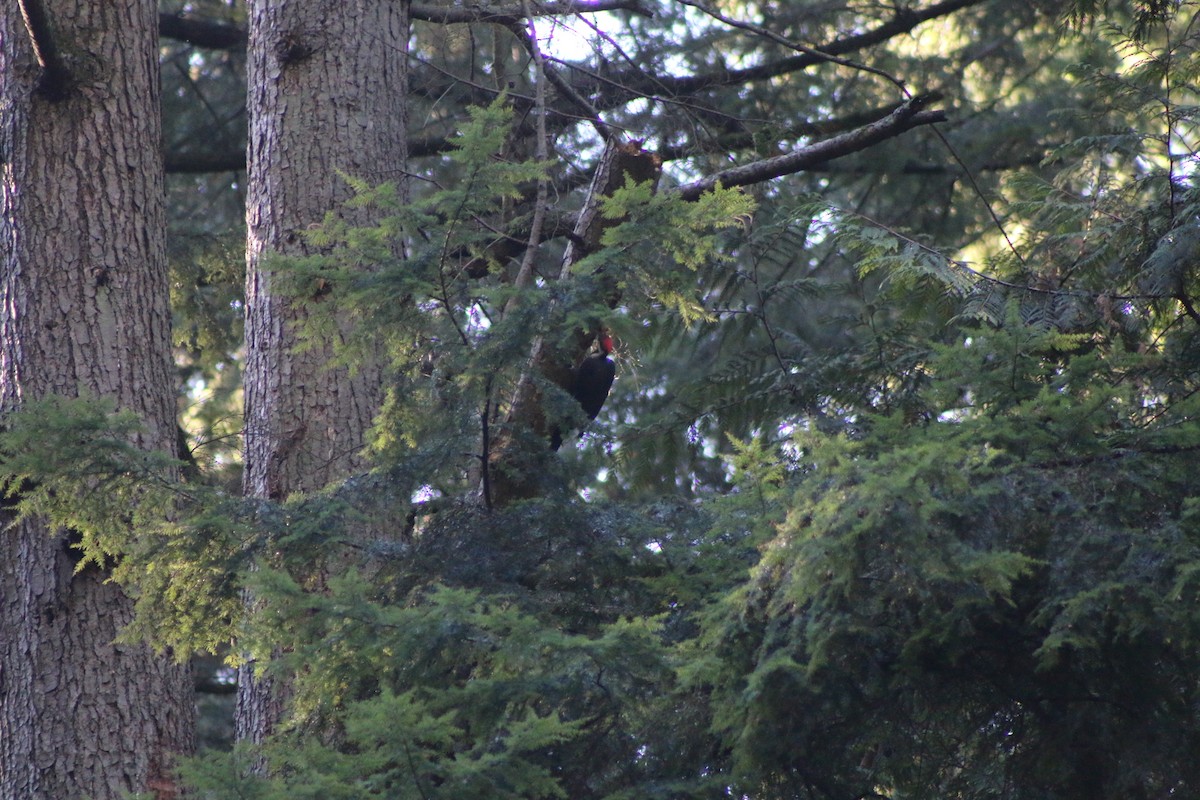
(592, 380)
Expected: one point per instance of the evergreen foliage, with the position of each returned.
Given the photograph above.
(895, 502)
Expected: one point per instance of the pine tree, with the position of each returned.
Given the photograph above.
(85, 312)
(325, 98)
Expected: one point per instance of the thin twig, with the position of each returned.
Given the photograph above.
(978, 192)
(525, 274)
(814, 52)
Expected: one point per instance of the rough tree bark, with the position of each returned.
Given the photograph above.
(83, 309)
(327, 84)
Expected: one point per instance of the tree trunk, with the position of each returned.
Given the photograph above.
(83, 309)
(327, 92)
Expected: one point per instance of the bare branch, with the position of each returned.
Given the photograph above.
(766, 33)
(201, 32)
(234, 158)
(529, 42)
(905, 20)
(201, 163)
(612, 88)
(510, 14)
(525, 274)
(741, 138)
(814, 157)
(909, 115)
(220, 36)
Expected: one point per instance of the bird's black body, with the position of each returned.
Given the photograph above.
(593, 380)
(590, 385)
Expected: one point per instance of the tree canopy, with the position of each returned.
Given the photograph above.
(893, 496)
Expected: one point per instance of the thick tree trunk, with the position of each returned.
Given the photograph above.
(83, 309)
(327, 85)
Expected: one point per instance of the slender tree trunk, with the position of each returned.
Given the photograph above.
(327, 83)
(83, 309)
